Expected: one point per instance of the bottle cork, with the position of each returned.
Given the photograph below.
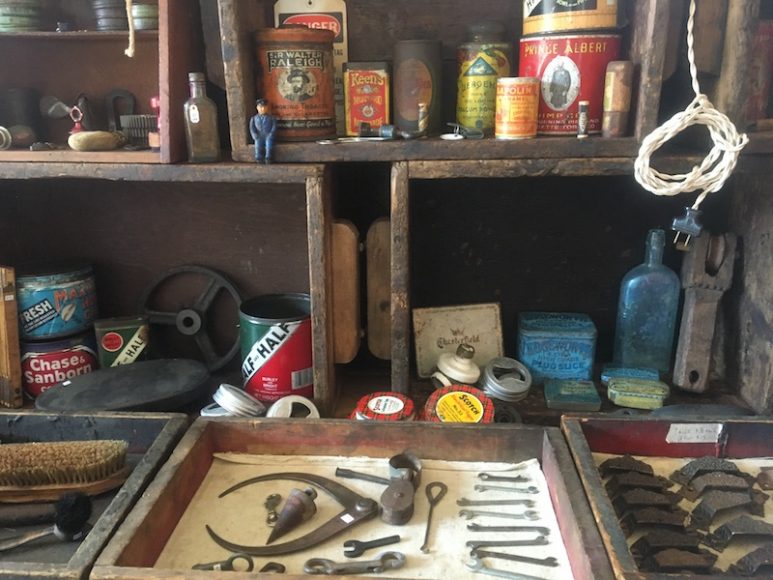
(617, 98)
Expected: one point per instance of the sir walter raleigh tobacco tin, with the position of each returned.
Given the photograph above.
(366, 89)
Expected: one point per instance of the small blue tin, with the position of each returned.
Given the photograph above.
(56, 301)
(556, 345)
(619, 372)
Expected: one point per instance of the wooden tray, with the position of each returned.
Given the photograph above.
(141, 538)
(151, 438)
(739, 439)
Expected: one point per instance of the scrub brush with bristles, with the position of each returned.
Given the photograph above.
(70, 463)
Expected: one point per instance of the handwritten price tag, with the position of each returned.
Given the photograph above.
(694, 433)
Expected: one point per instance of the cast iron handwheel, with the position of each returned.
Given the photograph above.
(190, 321)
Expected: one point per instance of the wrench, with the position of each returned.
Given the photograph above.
(527, 515)
(434, 498)
(358, 548)
(531, 489)
(385, 561)
(476, 565)
(550, 561)
(538, 541)
(529, 503)
(538, 529)
(515, 478)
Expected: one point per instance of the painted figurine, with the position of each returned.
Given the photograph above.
(262, 129)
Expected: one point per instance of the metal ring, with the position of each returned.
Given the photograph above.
(506, 379)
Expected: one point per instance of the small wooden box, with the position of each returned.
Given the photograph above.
(151, 438)
(136, 546)
(669, 438)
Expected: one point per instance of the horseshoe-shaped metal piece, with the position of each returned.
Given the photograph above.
(356, 509)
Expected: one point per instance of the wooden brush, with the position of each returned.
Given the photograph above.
(43, 471)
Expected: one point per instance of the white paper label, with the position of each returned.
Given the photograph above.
(694, 433)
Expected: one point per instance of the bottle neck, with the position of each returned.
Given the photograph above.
(197, 89)
(655, 243)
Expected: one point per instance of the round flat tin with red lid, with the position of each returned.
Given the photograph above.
(459, 404)
(384, 406)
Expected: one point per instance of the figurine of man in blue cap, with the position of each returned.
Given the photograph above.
(262, 129)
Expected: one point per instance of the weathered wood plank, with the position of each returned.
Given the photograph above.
(401, 298)
(378, 261)
(346, 290)
(10, 357)
(710, 17)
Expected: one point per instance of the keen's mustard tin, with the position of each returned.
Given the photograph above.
(45, 364)
(571, 68)
(548, 16)
(481, 61)
(122, 340)
(556, 345)
(295, 73)
(366, 95)
(56, 300)
(517, 106)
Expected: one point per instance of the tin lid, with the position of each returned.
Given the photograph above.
(120, 322)
(384, 406)
(364, 65)
(486, 31)
(294, 33)
(68, 269)
(459, 404)
(196, 77)
(551, 323)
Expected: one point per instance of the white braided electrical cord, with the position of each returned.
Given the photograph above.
(716, 167)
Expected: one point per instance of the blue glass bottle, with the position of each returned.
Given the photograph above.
(646, 311)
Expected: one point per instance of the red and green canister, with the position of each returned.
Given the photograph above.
(481, 61)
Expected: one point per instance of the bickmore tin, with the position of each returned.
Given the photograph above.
(295, 70)
(366, 90)
(571, 68)
(517, 107)
(122, 341)
(45, 364)
(546, 16)
(56, 301)
(275, 331)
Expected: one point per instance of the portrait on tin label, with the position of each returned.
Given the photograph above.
(297, 85)
(560, 83)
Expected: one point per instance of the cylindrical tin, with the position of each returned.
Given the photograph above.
(122, 340)
(546, 16)
(384, 406)
(481, 61)
(366, 95)
(275, 331)
(459, 404)
(45, 364)
(296, 74)
(417, 70)
(56, 301)
(760, 71)
(617, 98)
(517, 107)
(582, 119)
(571, 68)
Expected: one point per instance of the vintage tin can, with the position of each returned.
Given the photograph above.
(571, 68)
(295, 73)
(56, 301)
(618, 83)
(612, 371)
(275, 331)
(417, 79)
(637, 393)
(547, 16)
(517, 107)
(366, 95)
(122, 340)
(384, 406)
(556, 345)
(459, 404)
(480, 62)
(45, 364)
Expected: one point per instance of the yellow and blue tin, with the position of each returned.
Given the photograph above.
(556, 345)
(637, 393)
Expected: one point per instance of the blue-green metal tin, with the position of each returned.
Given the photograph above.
(56, 301)
(619, 372)
(556, 345)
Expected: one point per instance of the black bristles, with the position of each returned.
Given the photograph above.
(73, 510)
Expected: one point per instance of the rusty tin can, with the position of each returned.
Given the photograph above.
(546, 16)
(295, 73)
(516, 108)
(571, 68)
(417, 70)
(366, 95)
(122, 341)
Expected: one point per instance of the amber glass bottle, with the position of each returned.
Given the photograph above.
(201, 122)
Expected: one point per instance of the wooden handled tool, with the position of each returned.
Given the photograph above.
(10, 358)
(707, 271)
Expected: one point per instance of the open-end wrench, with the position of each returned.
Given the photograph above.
(357, 548)
(475, 545)
(542, 531)
(531, 489)
(476, 565)
(384, 562)
(512, 478)
(527, 515)
(529, 503)
(550, 561)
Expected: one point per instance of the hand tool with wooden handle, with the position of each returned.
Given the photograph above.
(10, 357)
(707, 271)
